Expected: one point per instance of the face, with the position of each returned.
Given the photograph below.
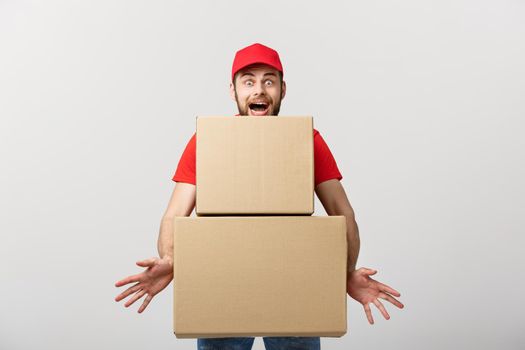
(258, 90)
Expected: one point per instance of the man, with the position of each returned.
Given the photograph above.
(258, 88)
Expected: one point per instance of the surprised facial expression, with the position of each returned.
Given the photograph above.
(258, 90)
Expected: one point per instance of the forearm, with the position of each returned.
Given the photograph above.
(353, 241)
(165, 241)
(182, 203)
(332, 194)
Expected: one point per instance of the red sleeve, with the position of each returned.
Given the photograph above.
(324, 162)
(186, 169)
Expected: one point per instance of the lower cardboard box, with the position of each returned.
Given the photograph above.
(260, 276)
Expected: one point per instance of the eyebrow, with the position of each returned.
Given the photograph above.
(251, 74)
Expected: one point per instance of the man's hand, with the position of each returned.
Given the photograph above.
(367, 290)
(154, 279)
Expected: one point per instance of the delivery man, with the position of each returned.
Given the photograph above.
(258, 88)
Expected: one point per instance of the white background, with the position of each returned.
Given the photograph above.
(421, 103)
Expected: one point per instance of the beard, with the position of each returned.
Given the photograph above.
(245, 107)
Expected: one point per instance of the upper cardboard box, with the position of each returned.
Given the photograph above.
(255, 165)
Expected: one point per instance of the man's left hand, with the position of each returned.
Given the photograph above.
(364, 289)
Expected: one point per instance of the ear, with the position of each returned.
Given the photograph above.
(232, 91)
(283, 89)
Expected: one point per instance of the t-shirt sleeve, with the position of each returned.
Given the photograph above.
(186, 169)
(324, 162)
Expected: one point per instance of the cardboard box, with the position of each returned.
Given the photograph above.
(255, 165)
(260, 276)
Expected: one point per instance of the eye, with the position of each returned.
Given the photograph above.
(268, 83)
(248, 83)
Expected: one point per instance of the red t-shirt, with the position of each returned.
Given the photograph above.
(324, 162)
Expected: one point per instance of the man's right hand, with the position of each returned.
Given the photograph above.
(156, 277)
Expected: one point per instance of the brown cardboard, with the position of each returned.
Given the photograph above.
(259, 276)
(254, 165)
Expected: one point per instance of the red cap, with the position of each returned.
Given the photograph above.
(256, 53)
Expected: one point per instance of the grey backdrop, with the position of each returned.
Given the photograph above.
(421, 102)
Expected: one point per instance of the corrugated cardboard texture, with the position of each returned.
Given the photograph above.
(259, 276)
(255, 165)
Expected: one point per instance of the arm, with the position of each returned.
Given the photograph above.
(360, 286)
(181, 203)
(159, 271)
(333, 197)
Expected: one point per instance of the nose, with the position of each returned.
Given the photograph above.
(260, 89)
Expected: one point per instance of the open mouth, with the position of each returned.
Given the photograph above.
(259, 108)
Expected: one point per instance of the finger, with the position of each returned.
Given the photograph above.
(391, 299)
(128, 291)
(145, 303)
(147, 262)
(368, 271)
(136, 297)
(129, 279)
(381, 308)
(388, 289)
(368, 313)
